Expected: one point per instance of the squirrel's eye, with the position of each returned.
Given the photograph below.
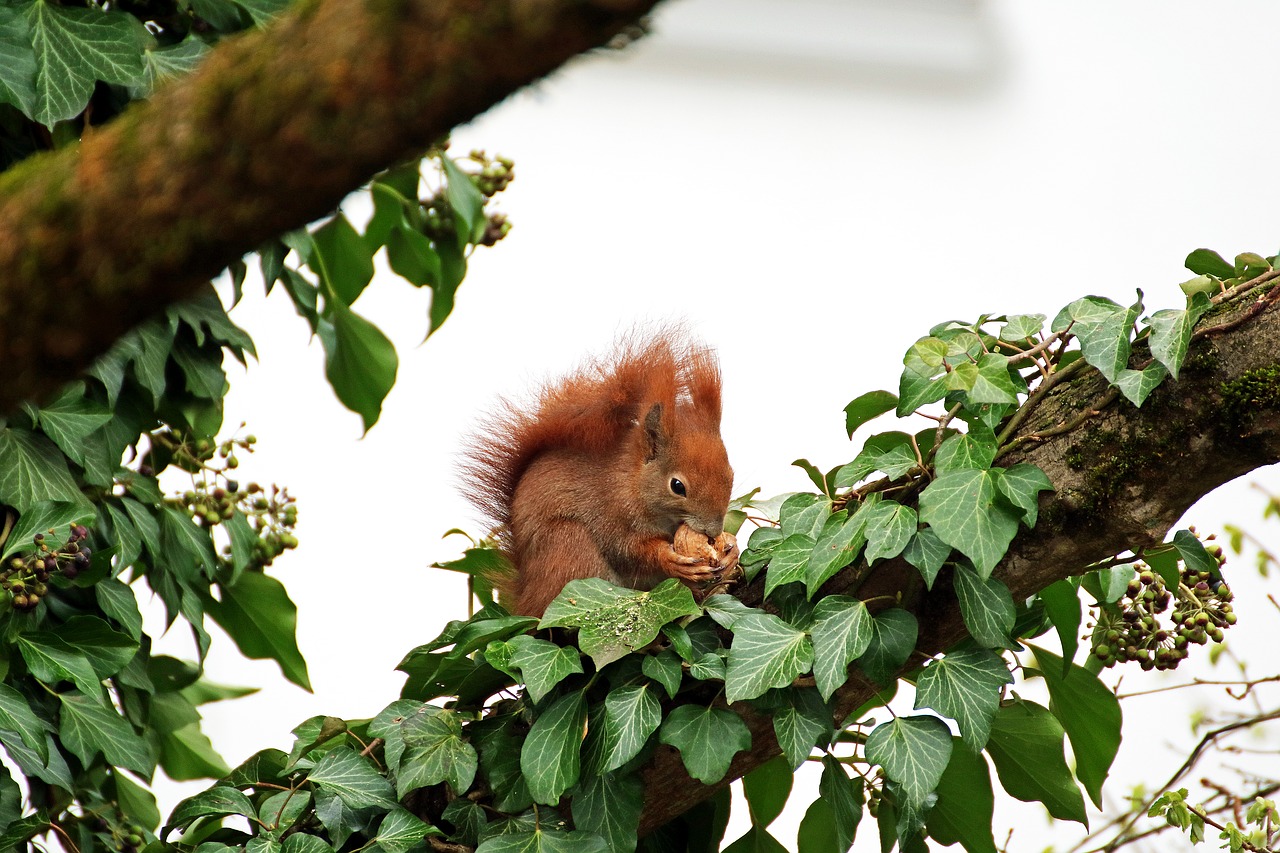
(678, 487)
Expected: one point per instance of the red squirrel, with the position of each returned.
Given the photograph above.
(595, 479)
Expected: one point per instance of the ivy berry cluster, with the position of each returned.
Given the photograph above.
(1134, 631)
(494, 175)
(26, 579)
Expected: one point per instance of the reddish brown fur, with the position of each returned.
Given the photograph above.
(580, 485)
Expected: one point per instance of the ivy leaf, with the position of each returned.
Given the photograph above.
(550, 759)
(1019, 327)
(913, 751)
(927, 553)
(51, 659)
(106, 650)
(838, 546)
(341, 259)
(707, 738)
(1193, 553)
(766, 790)
(965, 804)
(993, 384)
(609, 805)
(464, 198)
(631, 715)
(961, 508)
(788, 563)
(893, 638)
(360, 362)
(870, 405)
(597, 609)
(218, 800)
(1137, 385)
(262, 11)
(1209, 262)
(802, 514)
(187, 546)
(1089, 712)
(400, 831)
(163, 63)
(17, 61)
(1022, 484)
(70, 417)
(74, 49)
(258, 614)
(1026, 745)
(543, 665)
(32, 469)
(1062, 606)
(544, 841)
(802, 723)
(1104, 329)
(832, 820)
(965, 450)
(766, 653)
(891, 453)
(412, 257)
(664, 668)
(725, 610)
(88, 726)
(43, 516)
(1171, 331)
(435, 751)
(709, 667)
(965, 686)
(16, 716)
(987, 607)
(842, 630)
(915, 391)
(889, 527)
(350, 777)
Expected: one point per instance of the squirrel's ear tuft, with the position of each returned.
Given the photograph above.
(654, 433)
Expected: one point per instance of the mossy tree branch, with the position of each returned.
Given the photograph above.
(270, 133)
(1123, 478)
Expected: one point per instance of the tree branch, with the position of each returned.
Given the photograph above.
(269, 133)
(1123, 477)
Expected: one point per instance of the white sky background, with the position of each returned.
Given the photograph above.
(810, 185)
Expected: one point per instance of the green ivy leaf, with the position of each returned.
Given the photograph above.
(259, 616)
(788, 562)
(609, 805)
(597, 608)
(51, 659)
(802, 514)
(913, 751)
(1062, 606)
(631, 715)
(188, 547)
(435, 751)
(961, 508)
(351, 778)
(1089, 712)
(464, 198)
(870, 405)
(831, 821)
(966, 450)
(1026, 745)
(106, 650)
(725, 610)
(893, 638)
(1137, 385)
(70, 417)
(1209, 262)
(1020, 327)
(75, 48)
(1104, 329)
(707, 738)
(43, 516)
(32, 469)
(218, 800)
(550, 759)
(1171, 331)
(16, 716)
(341, 259)
(360, 362)
(412, 257)
(664, 668)
(889, 527)
(88, 726)
(186, 754)
(542, 664)
(543, 841)
(841, 540)
(927, 553)
(1193, 553)
(803, 722)
(915, 391)
(709, 667)
(163, 63)
(891, 453)
(987, 607)
(1022, 484)
(965, 686)
(766, 790)
(965, 804)
(766, 653)
(842, 630)
(993, 384)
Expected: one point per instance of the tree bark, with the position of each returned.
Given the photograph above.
(1123, 477)
(269, 133)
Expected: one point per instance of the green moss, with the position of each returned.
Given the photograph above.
(1254, 391)
(1201, 359)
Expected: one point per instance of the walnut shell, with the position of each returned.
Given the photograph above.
(690, 543)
